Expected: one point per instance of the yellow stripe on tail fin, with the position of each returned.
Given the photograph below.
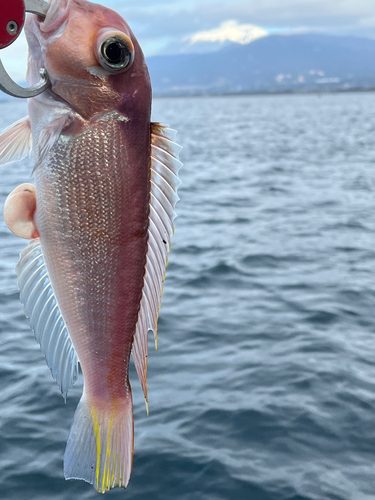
(100, 444)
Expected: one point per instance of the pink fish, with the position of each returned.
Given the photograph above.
(101, 219)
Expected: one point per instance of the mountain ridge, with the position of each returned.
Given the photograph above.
(270, 64)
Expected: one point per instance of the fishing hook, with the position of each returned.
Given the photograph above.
(13, 13)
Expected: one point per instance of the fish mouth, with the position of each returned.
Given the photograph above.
(38, 42)
(40, 34)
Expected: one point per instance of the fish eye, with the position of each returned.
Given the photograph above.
(116, 54)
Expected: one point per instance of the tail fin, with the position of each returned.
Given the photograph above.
(100, 445)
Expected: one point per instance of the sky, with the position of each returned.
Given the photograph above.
(170, 26)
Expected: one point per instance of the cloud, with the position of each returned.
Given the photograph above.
(166, 26)
(177, 20)
(231, 31)
(167, 23)
(368, 22)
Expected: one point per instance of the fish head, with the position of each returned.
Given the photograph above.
(91, 55)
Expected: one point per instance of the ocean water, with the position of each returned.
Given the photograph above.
(263, 386)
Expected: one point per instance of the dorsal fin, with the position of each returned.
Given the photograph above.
(43, 312)
(164, 183)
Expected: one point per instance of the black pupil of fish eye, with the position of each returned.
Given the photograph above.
(116, 54)
(113, 52)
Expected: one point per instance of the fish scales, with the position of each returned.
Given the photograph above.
(101, 219)
(93, 223)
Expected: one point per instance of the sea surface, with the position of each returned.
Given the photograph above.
(263, 386)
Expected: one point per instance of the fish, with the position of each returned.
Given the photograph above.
(100, 217)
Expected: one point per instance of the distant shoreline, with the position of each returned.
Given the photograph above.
(265, 92)
(6, 98)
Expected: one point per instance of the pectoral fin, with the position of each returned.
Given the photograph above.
(16, 141)
(50, 134)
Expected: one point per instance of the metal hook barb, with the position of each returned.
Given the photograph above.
(7, 85)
